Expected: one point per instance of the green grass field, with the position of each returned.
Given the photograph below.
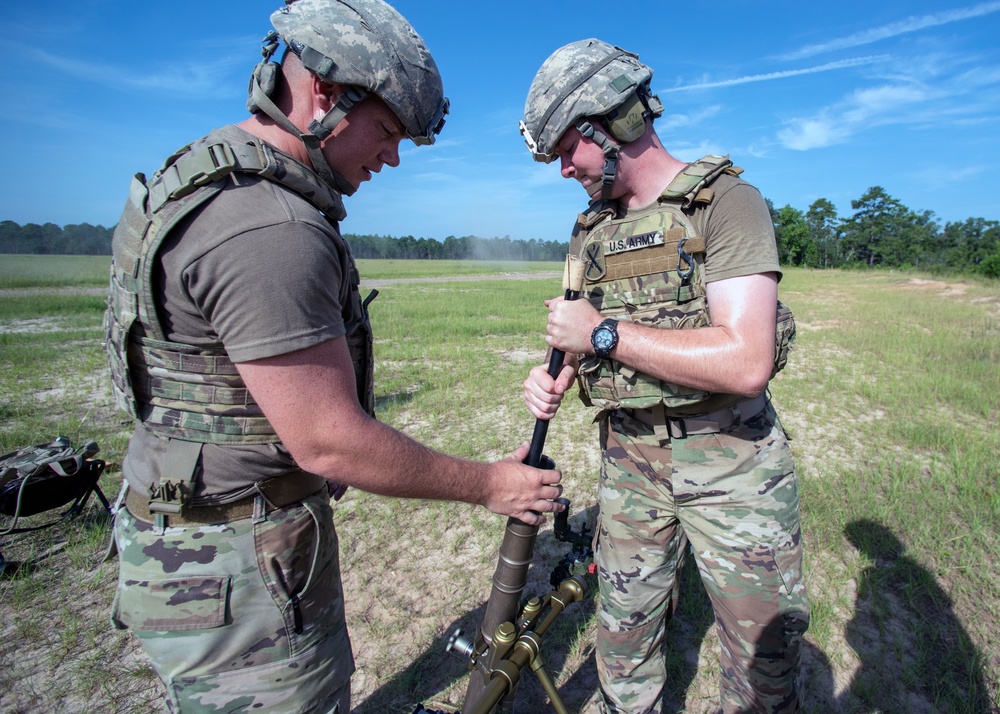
(892, 398)
(32, 271)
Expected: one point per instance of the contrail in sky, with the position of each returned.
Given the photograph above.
(840, 64)
(910, 24)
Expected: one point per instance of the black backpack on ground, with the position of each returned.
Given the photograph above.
(42, 478)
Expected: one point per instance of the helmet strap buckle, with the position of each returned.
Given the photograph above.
(347, 100)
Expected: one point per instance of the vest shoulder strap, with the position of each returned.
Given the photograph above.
(189, 169)
(691, 185)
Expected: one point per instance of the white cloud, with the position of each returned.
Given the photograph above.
(893, 29)
(814, 133)
(873, 102)
(949, 173)
(672, 122)
(755, 150)
(936, 93)
(861, 110)
(688, 151)
(187, 79)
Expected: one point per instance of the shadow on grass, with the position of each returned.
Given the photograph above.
(915, 654)
(914, 651)
(394, 399)
(685, 634)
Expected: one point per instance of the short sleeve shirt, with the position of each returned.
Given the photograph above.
(739, 234)
(261, 271)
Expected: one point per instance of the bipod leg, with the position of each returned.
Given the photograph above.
(538, 667)
(104, 500)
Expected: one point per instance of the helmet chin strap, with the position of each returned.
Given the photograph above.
(318, 130)
(610, 150)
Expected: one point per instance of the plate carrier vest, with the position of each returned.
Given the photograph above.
(648, 268)
(194, 395)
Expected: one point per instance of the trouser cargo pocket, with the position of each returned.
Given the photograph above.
(171, 605)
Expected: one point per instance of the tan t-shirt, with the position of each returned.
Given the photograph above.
(260, 270)
(738, 232)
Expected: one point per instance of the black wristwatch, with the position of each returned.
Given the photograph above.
(605, 337)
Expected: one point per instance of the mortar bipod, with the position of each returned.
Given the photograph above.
(515, 647)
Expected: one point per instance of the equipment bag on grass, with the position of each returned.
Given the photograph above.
(41, 478)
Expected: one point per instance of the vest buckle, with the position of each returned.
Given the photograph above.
(201, 168)
(168, 498)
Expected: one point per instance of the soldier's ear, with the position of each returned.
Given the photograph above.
(325, 94)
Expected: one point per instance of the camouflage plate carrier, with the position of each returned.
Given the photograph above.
(647, 268)
(194, 395)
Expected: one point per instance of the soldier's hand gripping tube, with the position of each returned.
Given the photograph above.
(519, 538)
(572, 282)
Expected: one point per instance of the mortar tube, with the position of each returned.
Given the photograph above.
(518, 545)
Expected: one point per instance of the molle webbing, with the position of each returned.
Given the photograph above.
(187, 170)
(181, 391)
(187, 392)
(646, 266)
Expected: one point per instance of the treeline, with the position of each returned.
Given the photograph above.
(880, 233)
(884, 233)
(85, 239)
(50, 239)
(452, 248)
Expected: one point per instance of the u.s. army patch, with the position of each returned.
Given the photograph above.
(627, 243)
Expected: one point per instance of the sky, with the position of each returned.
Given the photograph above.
(813, 100)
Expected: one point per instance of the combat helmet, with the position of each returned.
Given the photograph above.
(584, 79)
(368, 47)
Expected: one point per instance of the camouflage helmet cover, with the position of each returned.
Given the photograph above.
(368, 44)
(582, 79)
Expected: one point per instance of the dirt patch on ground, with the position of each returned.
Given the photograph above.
(30, 327)
(945, 289)
(530, 357)
(30, 292)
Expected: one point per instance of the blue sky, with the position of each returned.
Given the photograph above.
(814, 100)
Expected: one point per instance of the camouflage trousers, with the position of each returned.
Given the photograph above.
(734, 497)
(242, 616)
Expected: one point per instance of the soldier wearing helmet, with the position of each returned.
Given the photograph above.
(240, 344)
(675, 337)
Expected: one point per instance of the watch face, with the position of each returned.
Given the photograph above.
(604, 339)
